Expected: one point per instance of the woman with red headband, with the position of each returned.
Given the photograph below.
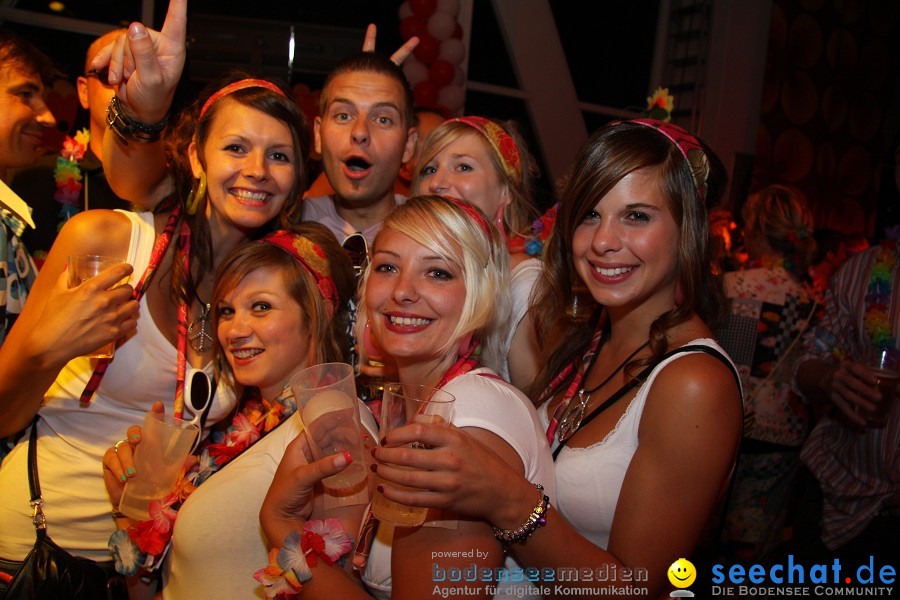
(246, 159)
(434, 295)
(485, 162)
(642, 409)
(281, 305)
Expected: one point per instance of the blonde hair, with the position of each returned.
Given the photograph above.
(781, 216)
(448, 230)
(521, 211)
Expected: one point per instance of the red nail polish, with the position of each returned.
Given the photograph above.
(374, 468)
(347, 457)
(380, 489)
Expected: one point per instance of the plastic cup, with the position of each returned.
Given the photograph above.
(400, 405)
(884, 365)
(83, 267)
(329, 411)
(158, 459)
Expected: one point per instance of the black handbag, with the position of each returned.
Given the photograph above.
(48, 571)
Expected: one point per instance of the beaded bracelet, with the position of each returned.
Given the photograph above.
(128, 129)
(537, 518)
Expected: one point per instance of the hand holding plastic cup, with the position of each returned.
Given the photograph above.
(80, 269)
(883, 363)
(166, 442)
(329, 411)
(400, 405)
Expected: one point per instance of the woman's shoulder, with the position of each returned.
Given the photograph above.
(473, 390)
(98, 231)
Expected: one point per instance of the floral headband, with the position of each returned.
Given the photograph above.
(243, 84)
(501, 142)
(689, 147)
(311, 257)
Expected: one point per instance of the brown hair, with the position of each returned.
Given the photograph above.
(781, 216)
(329, 332)
(609, 155)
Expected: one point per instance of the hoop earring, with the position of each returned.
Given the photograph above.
(498, 221)
(198, 191)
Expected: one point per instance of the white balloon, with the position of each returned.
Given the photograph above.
(453, 51)
(441, 25)
(448, 7)
(459, 77)
(414, 70)
(404, 11)
(452, 96)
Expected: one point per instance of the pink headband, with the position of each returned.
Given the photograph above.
(689, 147)
(243, 84)
(502, 143)
(472, 212)
(311, 257)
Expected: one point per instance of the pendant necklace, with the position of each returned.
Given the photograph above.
(574, 414)
(200, 329)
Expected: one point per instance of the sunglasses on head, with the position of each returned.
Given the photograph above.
(102, 75)
(357, 248)
(199, 390)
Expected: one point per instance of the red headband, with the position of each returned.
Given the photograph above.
(501, 142)
(472, 212)
(311, 257)
(690, 149)
(240, 85)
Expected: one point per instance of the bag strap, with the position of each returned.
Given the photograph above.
(34, 484)
(643, 375)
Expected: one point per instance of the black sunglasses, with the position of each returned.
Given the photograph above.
(102, 75)
(357, 248)
(199, 390)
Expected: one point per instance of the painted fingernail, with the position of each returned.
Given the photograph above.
(130, 470)
(380, 489)
(383, 441)
(374, 468)
(373, 452)
(135, 438)
(122, 477)
(347, 457)
(365, 436)
(342, 460)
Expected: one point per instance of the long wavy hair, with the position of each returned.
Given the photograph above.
(609, 155)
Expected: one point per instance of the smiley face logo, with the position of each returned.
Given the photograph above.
(682, 573)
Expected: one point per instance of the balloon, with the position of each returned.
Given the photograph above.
(441, 72)
(425, 93)
(414, 70)
(452, 50)
(404, 11)
(428, 49)
(441, 25)
(411, 26)
(452, 96)
(459, 76)
(423, 8)
(449, 7)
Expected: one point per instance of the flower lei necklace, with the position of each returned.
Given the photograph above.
(533, 245)
(143, 544)
(877, 318)
(68, 177)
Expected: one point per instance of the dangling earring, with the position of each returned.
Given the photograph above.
(198, 191)
(679, 294)
(498, 221)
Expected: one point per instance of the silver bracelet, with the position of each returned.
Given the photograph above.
(537, 518)
(128, 129)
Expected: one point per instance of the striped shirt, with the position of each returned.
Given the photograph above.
(858, 472)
